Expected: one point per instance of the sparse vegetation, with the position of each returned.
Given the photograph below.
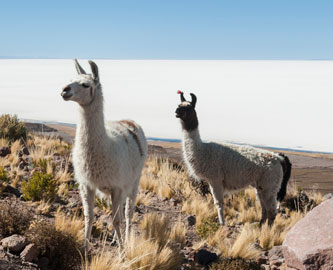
(157, 239)
(11, 128)
(13, 219)
(41, 186)
(3, 175)
(208, 227)
(59, 246)
(73, 225)
(235, 264)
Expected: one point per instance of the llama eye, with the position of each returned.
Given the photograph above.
(85, 85)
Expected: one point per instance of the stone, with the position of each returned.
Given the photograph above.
(173, 201)
(204, 257)
(191, 220)
(25, 151)
(12, 190)
(262, 259)
(309, 244)
(14, 243)
(30, 253)
(4, 151)
(275, 252)
(328, 196)
(278, 262)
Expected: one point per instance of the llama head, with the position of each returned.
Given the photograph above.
(83, 88)
(186, 112)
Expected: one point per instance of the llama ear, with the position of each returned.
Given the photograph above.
(194, 100)
(182, 99)
(94, 70)
(79, 69)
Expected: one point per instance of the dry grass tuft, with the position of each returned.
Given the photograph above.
(156, 228)
(43, 208)
(13, 219)
(149, 255)
(161, 177)
(143, 199)
(4, 142)
(60, 247)
(244, 245)
(178, 233)
(73, 225)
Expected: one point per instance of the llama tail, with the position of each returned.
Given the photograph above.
(286, 166)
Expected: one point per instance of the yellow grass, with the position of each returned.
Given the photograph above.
(199, 206)
(63, 175)
(73, 225)
(15, 175)
(160, 177)
(138, 253)
(62, 189)
(4, 162)
(155, 227)
(147, 254)
(43, 208)
(143, 199)
(4, 142)
(178, 233)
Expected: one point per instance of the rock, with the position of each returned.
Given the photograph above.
(265, 267)
(22, 165)
(275, 252)
(4, 151)
(204, 257)
(278, 262)
(309, 244)
(328, 196)
(262, 259)
(14, 243)
(173, 201)
(25, 151)
(12, 190)
(30, 253)
(191, 220)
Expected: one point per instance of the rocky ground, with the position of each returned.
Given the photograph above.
(17, 252)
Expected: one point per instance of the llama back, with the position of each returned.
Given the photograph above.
(132, 136)
(232, 163)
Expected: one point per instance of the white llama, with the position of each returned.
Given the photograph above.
(228, 167)
(107, 158)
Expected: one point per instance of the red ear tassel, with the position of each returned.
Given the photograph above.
(179, 92)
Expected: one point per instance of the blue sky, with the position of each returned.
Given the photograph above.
(182, 29)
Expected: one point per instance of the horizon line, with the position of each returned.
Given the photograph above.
(156, 59)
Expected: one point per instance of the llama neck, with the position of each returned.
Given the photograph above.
(191, 135)
(191, 140)
(91, 129)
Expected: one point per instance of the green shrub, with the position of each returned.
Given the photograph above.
(41, 186)
(208, 227)
(235, 264)
(3, 175)
(60, 247)
(11, 128)
(43, 163)
(13, 219)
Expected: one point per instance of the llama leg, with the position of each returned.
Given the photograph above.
(272, 208)
(263, 206)
(269, 206)
(117, 211)
(87, 196)
(218, 201)
(129, 210)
